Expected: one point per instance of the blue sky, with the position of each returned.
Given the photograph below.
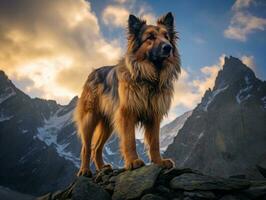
(49, 47)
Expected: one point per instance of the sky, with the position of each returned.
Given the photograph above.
(48, 47)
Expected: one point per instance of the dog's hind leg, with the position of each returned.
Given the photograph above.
(86, 128)
(102, 133)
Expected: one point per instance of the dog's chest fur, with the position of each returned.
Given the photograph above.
(145, 99)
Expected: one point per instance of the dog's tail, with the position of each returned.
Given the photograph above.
(80, 112)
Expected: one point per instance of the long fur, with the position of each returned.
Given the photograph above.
(136, 90)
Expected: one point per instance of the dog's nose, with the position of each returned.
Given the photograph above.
(167, 48)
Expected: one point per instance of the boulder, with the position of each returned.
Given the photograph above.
(132, 184)
(202, 182)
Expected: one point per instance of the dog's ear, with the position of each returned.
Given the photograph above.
(135, 24)
(167, 21)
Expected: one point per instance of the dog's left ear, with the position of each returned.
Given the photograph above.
(167, 21)
(135, 24)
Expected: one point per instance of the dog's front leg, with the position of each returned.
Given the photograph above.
(152, 133)
(125, 124)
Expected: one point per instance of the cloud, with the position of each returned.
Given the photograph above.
(117, 14)
(243, 23)
(189, 89)
(240, 4)
(249, 61)
(53, 45)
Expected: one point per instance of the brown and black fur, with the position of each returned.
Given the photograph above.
(138, 90)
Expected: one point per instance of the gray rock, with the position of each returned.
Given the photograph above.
(201, 182)
(258, 189)
(200, 194)
(229, 197)
(262, 167)
(85, 189)
(132, 184)
(152, 197)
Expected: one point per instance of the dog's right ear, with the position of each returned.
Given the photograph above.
(135, 24)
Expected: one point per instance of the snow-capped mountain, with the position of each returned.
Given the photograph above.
(225, 135)
(39, 147)
(169, 131)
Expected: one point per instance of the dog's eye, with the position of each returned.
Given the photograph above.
(166, 36)
(151, 37)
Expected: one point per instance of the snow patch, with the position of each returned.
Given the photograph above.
(25, 131)
(5, 118)
(9, 92)
(170, 131)
(212, 97)
(263, 99)
(109, 151)
(48, 134)
(193, 147)
(244, 93)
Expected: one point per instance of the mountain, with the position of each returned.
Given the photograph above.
(169, 131)
(225, 135)
(39, 147)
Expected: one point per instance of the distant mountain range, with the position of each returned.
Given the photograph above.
(226, 133)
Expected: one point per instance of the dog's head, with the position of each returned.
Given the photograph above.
(152, 54)
(153, 42)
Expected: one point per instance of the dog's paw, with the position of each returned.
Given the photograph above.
(85, 172)
(166, 163)
(134, 164)
(107, 166)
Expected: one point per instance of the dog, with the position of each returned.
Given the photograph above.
(138, 90)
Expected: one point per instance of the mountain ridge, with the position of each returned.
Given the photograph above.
(225, 133)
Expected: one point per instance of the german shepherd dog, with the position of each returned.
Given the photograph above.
(138, 90)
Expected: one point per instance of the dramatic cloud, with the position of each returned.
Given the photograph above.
(243, 23)
(249, 61)
(240, 4)
(189, 90)
(53, 45)
(117, 15)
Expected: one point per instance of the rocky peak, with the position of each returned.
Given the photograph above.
(4, 81)
(155, 183)
(233, 71)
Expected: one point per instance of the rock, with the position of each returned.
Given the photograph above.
(239, 176)
(200, 194)
(229, 197)
(152, 197)
(151, 183)
(132, 184)
(201, 182)
(257, 190)
(85, 189)
(262, 168)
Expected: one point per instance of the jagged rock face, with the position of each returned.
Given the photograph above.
(169, 131)
(155, 183)
(225, 135)
(39, 147)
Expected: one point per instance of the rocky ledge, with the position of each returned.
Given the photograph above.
(154, 183)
